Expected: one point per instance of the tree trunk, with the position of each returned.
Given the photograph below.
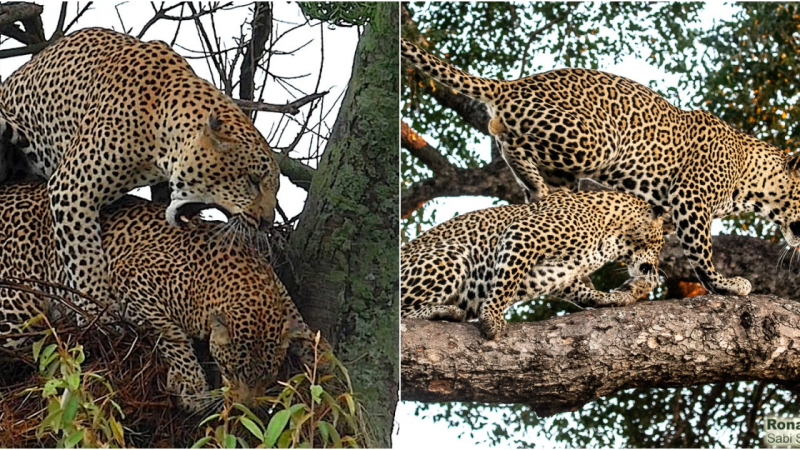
(560, 364)
(344, 252)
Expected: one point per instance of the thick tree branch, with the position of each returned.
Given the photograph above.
(560, 364)
(17, 12)
(491, 180)
(255, 48)
(297, 172)
(424, 152)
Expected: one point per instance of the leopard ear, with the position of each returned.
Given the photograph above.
(792, 164)
(219, 328)
(214, 130)
(658, 211)
(661, 214)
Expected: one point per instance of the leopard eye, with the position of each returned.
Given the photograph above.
(255, 180)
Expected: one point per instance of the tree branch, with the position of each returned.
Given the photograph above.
(289, 108)
(254, 49)
(560, 364)
(13, 12)
(297, 172)
(492, 180)
(418, 147)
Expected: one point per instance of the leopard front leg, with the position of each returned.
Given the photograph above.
(693, 225)
(75, 202)
(515, 257)
(185, 376)
(584, 293)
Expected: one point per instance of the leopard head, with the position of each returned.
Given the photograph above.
(249, 345)
(225, 164)
(643, 241)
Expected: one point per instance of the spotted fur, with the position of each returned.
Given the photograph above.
(478, 264)
(183, 283)
(557, 127)
(100, 113)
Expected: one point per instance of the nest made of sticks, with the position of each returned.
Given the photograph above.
(125, 357)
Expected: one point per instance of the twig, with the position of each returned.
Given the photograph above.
(289, 108)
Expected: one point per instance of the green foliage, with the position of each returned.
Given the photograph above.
(74, 416)
(343, 14)
(307, 413)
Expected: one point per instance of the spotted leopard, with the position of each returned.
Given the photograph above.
(99, 113)
(557, 127)
(183, 283)
(478, 264)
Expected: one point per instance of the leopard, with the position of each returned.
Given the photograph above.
(99, 113)
(559, 127)
(477, 265)
(184, 284)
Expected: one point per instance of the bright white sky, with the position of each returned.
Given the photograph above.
(421, 432)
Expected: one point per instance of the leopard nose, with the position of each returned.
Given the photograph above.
(646, 268)
(265, 225)
(795, 228)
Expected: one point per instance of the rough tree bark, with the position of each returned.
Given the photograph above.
(560, 364)
(344, 250)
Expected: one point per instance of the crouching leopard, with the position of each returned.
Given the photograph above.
(478, 264)
(99, 113)
(557, 127)
(184, 284)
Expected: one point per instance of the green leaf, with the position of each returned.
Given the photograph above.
(230, 441)
(74, 381)
(46, 357)
(285, 441)
(201, 442)
(276, 425)
(116, 428)
(51, 387)
(37, 347)
(249, 414)
(73, 439)
(208, 419)
(324, 430)
(294, 409)
(70, 410)
(316, 393)
(252, 427)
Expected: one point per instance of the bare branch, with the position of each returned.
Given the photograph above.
(289, 108)
(254, 49)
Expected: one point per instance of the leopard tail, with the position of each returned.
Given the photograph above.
(481, 89)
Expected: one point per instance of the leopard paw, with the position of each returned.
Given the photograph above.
(491, 327)
(732, 286)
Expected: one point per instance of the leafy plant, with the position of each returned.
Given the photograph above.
(306, 413)
(74, 416)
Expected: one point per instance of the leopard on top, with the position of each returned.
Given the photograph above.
(99, 113)
(479, 264)
(557, 127)
(184, 284)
